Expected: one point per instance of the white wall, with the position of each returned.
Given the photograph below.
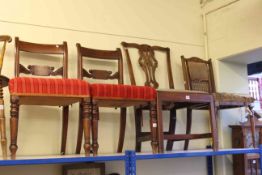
(233, 30)
(101, 24)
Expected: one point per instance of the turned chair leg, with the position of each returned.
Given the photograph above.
(86, 122)
(122, 130)
(14, 112)
(80, 129)
(172, 128)
(188, 126)
(64, 129)
(2, 124)
(153, 128)
(138, 118)
(95, 118)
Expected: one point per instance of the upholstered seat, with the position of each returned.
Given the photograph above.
(48, 86)
(230, 97)
(120, 91)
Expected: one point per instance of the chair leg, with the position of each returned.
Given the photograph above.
(153, 127)
(122, 130)
(14, 112)
(213, 111)
(86, 122)
(138, 118)
(2, 124)
(172, 128)
(64, 129)
(80, 129)
(188, 126)
(95, 118)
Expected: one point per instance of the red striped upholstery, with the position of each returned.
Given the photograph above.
(48, 86)
(120, 91)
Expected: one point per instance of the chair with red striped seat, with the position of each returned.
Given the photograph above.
(46, 91)
(113, 95)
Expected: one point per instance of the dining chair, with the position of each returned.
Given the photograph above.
(3, 83)
(32, 90)
(116, 95)
(148, 62)
(198, 75)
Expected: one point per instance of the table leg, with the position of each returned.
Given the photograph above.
(160, 132)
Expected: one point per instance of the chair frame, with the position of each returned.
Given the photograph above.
(150, 81)
(211, 90)
(99, 102)
(64, 101)
(3, 83)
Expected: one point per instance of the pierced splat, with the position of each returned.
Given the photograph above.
(100, 74)
(148, 63)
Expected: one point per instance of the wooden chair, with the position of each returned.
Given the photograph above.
(198, 75)
(47, 91)
(114, 95)
(3, 83)
(148, 63)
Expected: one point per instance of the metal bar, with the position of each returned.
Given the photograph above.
(204, 153)
(60, 160)
(130, 162)
(209, 163)
(260, 158)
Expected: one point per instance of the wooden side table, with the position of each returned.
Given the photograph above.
(242, 137)
(186, 99)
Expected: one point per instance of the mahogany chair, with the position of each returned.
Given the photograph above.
(47, 91)
(198, 75)
(149, 64)
(3, 83)
(114, 95)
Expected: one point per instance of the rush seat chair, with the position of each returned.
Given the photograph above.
(113, 95)
(3, 83)
(199, 76)
(60, 92)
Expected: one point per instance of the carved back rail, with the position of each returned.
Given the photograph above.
(5, 39)
(84, 52)
(37, 70)
(148, 63)
(198, 74)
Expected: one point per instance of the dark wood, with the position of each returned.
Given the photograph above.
(242, 138)
(149, 64)
(97, 103)
(48, 100)
(190, 98)
(122, 129)
(199, 76)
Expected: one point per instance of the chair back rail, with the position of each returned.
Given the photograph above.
(198, 74)
(148, 63)
(37, 70)
(84, 52)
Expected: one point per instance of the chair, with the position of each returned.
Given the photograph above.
(46, 91)
(198, 75)
(3, 83)
(113, 95)
(148, 64)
